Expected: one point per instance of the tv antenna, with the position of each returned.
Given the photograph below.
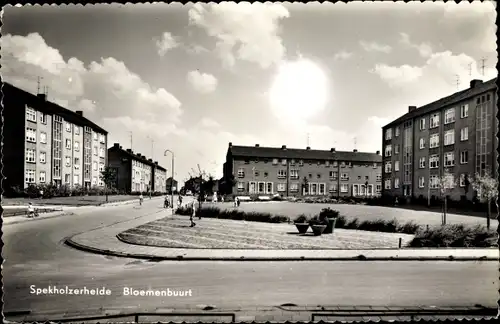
(355, 142)
(131, 138)
(457, 81)
(483, 61)
(308, 140)
(38, 84)
(470, 69)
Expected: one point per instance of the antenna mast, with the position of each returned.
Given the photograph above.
(457, 81)
(355, 142)
(131, 137)
(483, 60)
(470, 69)
(38, 85)
(308, 141)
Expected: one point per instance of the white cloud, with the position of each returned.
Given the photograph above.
(196, 49)
(424, 49)
(209, 123)
(398, 76)
(166, 43)
(247, 31)
(342, 55)
(202, 82)
(375, 47)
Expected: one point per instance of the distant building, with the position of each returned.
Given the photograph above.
(171, 186)
(302, 172)
(455, 134)
(46, 143)
(135, 172)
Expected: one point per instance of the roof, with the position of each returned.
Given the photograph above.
(134, 156)
(446, 101)
(49, 107)
(304, 154)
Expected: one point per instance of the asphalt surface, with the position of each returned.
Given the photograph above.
(35, 255)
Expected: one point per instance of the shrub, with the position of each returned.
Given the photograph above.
(408, 228)
(455, 236)
(277, 198)
(328, 212)
(301, 219)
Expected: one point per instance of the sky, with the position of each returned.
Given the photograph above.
(192, 78)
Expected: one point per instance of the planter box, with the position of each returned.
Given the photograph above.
(318, 229)
(302, 227)
(331, 226)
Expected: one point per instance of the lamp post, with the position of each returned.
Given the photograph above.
(171, 182)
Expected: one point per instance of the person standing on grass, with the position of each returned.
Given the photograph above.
(193, 213)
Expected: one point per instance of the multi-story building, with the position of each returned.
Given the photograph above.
(43, 142)
(299, 172)
(455, 135)
(136, 173)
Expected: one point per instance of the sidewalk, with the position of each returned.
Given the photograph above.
(104, 241)
(281, 314)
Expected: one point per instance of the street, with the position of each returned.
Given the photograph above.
(34, 255)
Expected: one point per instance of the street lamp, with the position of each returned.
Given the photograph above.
(171, 182)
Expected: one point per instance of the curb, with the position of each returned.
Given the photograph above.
(155, 258)
(25, 220)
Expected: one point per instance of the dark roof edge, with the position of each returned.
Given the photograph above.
(135, 157)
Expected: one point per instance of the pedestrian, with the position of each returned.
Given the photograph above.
(222, 198)
(31, 210)
(238, 202)
(41, 193)
(193, 213)
(141, 198)
(165, 202)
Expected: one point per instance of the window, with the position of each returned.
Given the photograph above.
(301, 162)
(342, 164)
(256, 172)
(77, 146)
(30, 155)
(422, 143)
(396, 149)
(434, 182)
(101, 166)
(421, 182)
(95, 166)
(421, 163)
(422, 123)
(42, 157)
(396, 166)
(275, 161)
(76, 163)
(388, 167)
(464, 134)
(241, 186)
(102, 138)
(344, 187)
(396, 183)
(281, 174)
(449, 116)
(95, 136)
(43, 137)
(388, 134)
(344, 176)
(68, 127)
(333, 175)
(434, 140)
(464, 157)
(281, 187)
(94, 181)
(379, 177)
(449, 159)
(335, 164)
(462, 179)
(42, 176)
(31, 114)
(464, 111)
(67, 178)
(387, 184)
(246, 160)
(294, 174)
(434, 121)
(396, 132)
(269, 187)
(327, 163)
(77, 130)
(101, 152)
(322, 189)
(449, 137)
(318, 175)
(95, 150)
(379, 188)
(31, 135)
(68, 144)
(43, 118)
(29, 176)
(68, 161)
(434, 161)
(294, 187)
(333, 187)
(283, 162)
(266, 174)
(388, 150)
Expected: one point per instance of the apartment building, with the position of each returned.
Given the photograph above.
(454, 135)
(43, 142)
(135, 172)
(292, 172)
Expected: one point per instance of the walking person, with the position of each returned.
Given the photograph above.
(165, 202)
(193, 213)
(141, 198)
(31, 211)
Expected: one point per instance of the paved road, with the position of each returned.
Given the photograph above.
(34, 255)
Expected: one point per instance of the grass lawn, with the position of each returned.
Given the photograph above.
(362, 212)
(229, 234)
(68, 201)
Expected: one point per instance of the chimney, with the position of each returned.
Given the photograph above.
(283, 147)
(120, 147)
(150, 160)
(156, 162)
(332, 149)
(378, 152)
(130, 151)
(308, 148)
(79, 113)
(412, 108)
(355, 151)
(42, 96)
(475, 83)
(116, 145)
(257, 145)
(230, 144)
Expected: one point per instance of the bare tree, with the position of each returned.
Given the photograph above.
(447, 183)
(487, 190)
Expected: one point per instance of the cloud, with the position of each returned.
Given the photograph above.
(375, 47)
(245, 31)
(424, 49)
(398, 76)
(166, 43)
(196, 49)
(342, 55)
(202, 82)
(209, 123)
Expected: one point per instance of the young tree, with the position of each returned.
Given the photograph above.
(447, 183)
(487, 190)
(108, 176)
